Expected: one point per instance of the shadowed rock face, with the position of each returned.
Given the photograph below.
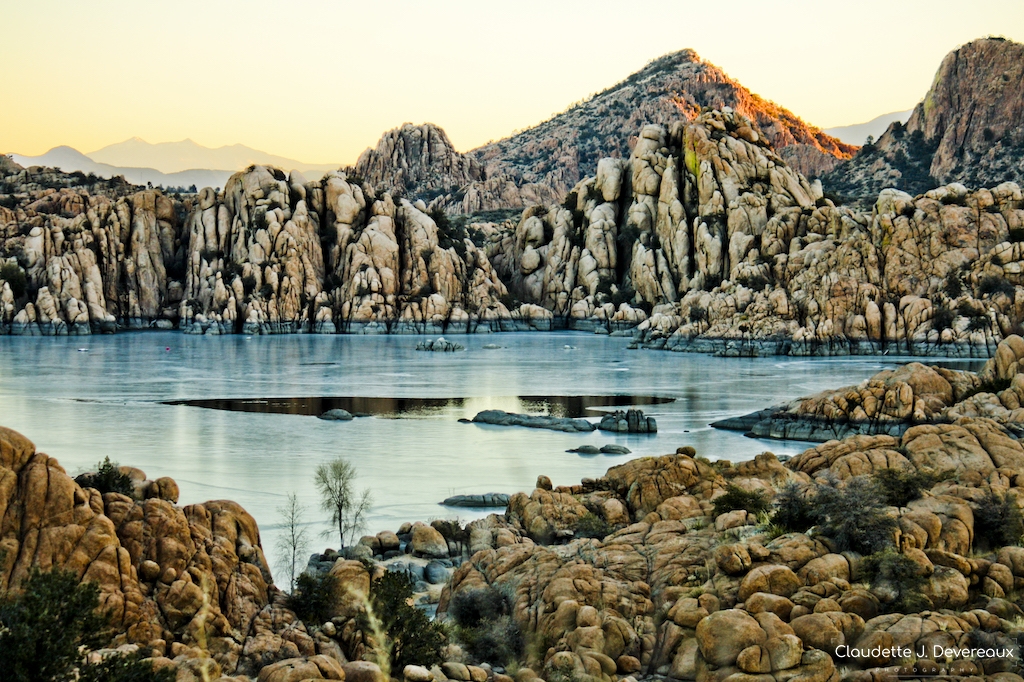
(969, 128)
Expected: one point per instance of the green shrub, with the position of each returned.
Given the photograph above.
(997, 522)
(793, 509)
(953, 287)
(412, 637)
(314, 598)
(698, 314)
(1017, 234)
(898, 487)
(109, 479)
(977, 324)
(894, 575)
(853, 515)
(495, 641)
(15, 277)
(267, 291)
(43, 627)
(484, 627)
(125, 668)
(992, 285)
(942, 318)
(738, 498)
(591, 525)
(469, 608)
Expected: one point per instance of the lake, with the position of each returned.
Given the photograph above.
(83, 398)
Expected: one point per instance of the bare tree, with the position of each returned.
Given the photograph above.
(293, 545)
(335, 481)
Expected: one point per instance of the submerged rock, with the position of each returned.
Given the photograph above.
(477, 500)
(502, 418)
(337, 415)
(440, 345)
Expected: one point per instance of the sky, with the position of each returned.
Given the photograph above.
(320, 81)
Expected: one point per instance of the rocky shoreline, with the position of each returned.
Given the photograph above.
(669, 567)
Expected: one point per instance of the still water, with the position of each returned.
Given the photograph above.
(81, 399)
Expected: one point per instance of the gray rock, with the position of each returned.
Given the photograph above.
(440, 345)
(630, 421)
(500, 418)
(435, 573)
(586, 450)
(337, 415)
(358, 553)
(612, 449)
(477, 500)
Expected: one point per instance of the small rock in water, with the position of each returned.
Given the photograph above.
(612, 449)
(485, 500)
(491, 346)
(630, 421)
(337, 415)
(440, 345)
(501, 418)
(586, 450)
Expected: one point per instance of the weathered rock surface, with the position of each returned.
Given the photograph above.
(628, 421)
(193, 580)
(477, 500)
(93, 255)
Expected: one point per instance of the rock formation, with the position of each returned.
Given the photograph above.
(277, 254)
(969, 128)
(893, 401)
(87, 255)
(189, 584)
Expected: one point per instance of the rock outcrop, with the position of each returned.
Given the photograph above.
(893, 401)
(969, 128)
(190, 584)
(671, 589)
(277, 254)
(86, 255)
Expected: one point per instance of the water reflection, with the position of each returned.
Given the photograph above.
(573, 406)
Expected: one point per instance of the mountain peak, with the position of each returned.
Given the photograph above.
(563, 149)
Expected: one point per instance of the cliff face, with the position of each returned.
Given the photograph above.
(92, 253)
(968, 129)
(274, 253)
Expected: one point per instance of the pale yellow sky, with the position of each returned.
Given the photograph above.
(320, 81)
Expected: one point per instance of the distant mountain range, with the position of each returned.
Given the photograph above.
(167, 164)
(858, 133)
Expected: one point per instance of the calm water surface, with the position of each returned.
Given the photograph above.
(81, 399)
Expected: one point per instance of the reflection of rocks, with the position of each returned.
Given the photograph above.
(500, 418)
(440, 345)
(630, 421)
(893, 401)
